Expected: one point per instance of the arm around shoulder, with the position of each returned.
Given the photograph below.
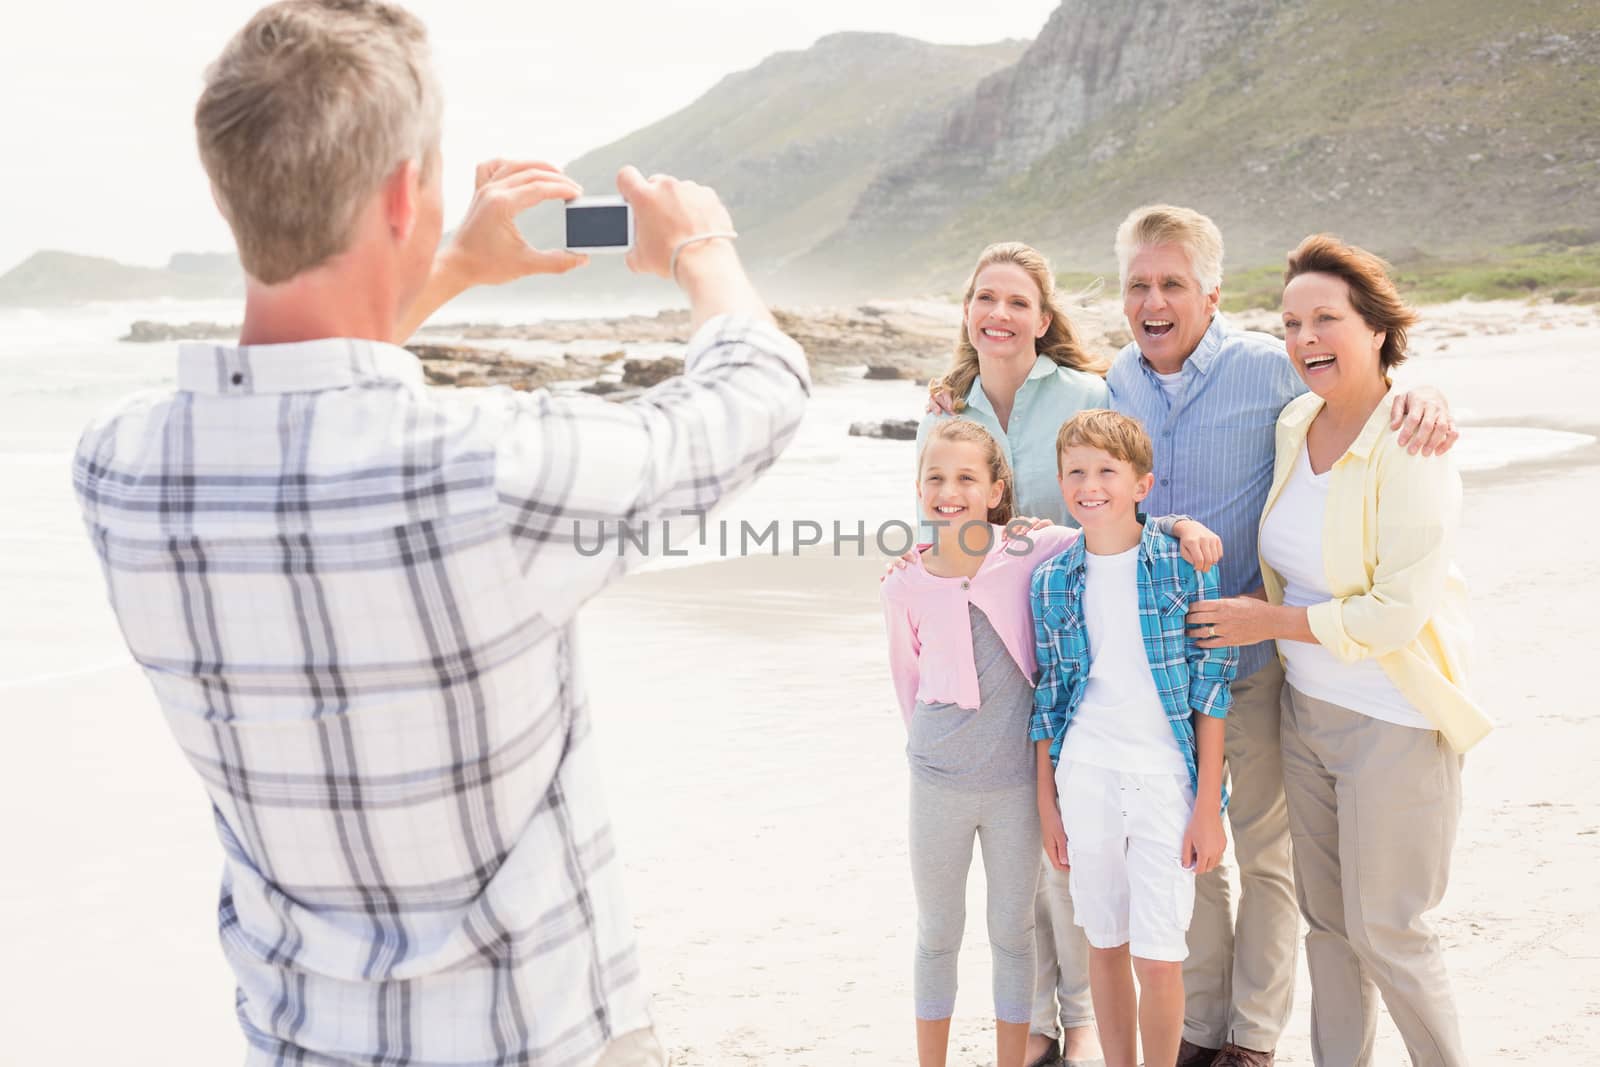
(1211, 670)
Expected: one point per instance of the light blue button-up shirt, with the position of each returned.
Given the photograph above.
(1048, 397)
(1214, 442)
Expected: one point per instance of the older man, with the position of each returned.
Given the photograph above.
(1209, 395)
(354, 595)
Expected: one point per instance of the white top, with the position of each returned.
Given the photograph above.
(1291, 544)
(1171, 384)
(1120, 722)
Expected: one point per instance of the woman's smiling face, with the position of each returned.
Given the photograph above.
(1005, 314)
(955, 484)
(1329, 342)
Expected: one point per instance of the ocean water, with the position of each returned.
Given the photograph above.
(59, 367)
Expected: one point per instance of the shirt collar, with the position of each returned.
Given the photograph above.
(1043, 367)
(301, 367)
(1205, 353)
(1296, 420)
(1075, 558)
(1377, 425)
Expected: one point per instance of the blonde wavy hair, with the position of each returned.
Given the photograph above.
(999, 469)
(1060, 341)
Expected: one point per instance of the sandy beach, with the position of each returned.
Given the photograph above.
(758, 785)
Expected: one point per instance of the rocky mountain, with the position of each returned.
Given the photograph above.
(872, 165)
(1436, 126)
(790, 144)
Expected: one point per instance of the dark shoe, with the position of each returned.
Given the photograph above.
(1192, 1055)
(1051, 1055)
(1238, 1056)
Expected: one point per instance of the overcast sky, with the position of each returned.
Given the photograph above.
(96, 99)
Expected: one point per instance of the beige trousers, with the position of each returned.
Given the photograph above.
(1373, 809)
(636, 1048)
(1061, 984)
(1239, 978)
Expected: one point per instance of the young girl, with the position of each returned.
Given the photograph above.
(961, 650)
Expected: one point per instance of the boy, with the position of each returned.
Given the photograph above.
(1128, 731)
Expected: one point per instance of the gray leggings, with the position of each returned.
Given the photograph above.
(943, 823)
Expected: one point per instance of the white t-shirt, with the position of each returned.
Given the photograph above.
(1171, 384)
(1291, 544)
(1120, 722)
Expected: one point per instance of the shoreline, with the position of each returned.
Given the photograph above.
(909, 339)
(753, 759)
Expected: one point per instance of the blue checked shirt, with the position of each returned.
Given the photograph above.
(354, 596)
(1215, 442)
(1189, 679)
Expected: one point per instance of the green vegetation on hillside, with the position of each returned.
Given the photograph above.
(1451, 126)
(1560, 267)
(1563, 265)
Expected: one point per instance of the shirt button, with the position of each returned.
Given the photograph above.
(238, 379)
(1166, 433)
(965, 584)
(1166, 481)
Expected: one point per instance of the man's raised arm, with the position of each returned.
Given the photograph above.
(487, 248)
(589, 484)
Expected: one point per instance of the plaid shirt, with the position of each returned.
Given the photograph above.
(354, 596)
(1189, 679)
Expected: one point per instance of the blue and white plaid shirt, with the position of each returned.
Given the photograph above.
(1189, 679)
(354, 596)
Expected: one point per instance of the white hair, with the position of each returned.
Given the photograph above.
(1160, 224)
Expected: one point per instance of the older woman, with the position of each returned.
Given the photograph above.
(1369, 615)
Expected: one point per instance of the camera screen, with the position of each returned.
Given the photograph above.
(597, 227)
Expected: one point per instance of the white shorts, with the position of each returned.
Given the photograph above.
(1124, 833)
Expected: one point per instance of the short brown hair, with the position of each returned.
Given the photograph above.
(1114, 434)
(999, 469)
(1372, 290)
(303, 115)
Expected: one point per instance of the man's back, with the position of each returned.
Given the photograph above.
(353, 596)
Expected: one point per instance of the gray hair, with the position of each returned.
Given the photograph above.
(1160, 224)
(304, 114)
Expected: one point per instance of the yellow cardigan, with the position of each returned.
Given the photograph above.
(1386, 550)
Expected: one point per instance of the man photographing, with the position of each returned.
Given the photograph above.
(354, 595)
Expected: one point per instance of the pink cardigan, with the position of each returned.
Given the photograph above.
(926, 613)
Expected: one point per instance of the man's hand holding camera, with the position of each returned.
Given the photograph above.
(488, 249)
(674, 224)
